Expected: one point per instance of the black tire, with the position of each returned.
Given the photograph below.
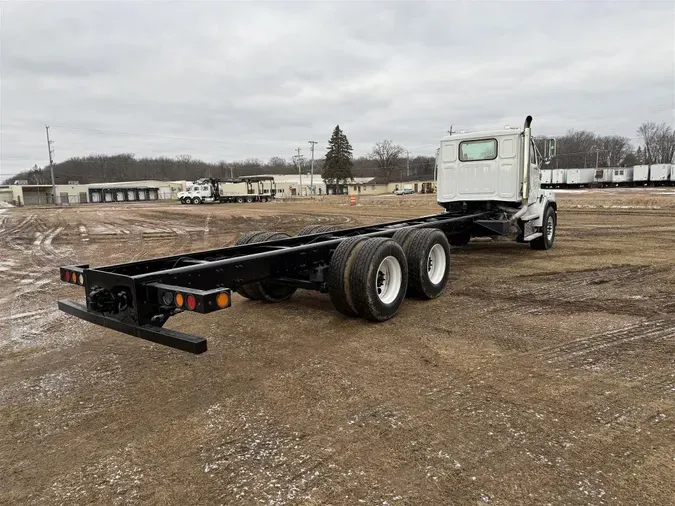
(240, 200)
(461, 239)
(546, 240)
(316, 229)
(370, 285)
(402, 236)
(245, 239)
(182, 200)
(267, 290)
(188, 200)
(196, 200)
(249, 199)
(427, 251)
(339, 272)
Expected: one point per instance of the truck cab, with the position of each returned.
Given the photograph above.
(498, 171)
(198, 192)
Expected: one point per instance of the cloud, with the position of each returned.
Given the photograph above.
(236, 80)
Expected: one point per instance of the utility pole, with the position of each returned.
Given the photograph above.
(311, 174)
(597, 155)
(407, 169)
(51, 164)
(297, 161)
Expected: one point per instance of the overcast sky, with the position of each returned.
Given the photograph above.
(238, 80)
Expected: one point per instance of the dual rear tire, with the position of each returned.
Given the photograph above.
(371, 277)
(267, 290)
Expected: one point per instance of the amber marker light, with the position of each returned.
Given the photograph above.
(222, 300)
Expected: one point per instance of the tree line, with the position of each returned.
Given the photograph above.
(99, 168)
(578, 149)
(387, 160)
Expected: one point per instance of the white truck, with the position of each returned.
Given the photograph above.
(240, 190)
(498, 171)
(488, 183)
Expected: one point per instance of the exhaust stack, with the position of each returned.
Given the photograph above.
(527, 136)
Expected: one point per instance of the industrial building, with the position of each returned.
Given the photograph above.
(75, 193)
(290, 185)
(22, 193)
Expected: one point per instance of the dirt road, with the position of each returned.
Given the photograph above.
(538, 378)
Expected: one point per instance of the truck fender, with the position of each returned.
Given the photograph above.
(547, 199)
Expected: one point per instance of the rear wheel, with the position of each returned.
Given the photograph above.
(428, 255)
(249, 199)
(378, 279)
(547, 231)
(196, 200)
(268, 290)
(317, 229)
(245, 239)
(240, 200)
(338, 278)
(402, 236)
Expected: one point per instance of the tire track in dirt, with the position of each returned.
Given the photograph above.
(649, 331)
(641, 353)
(616, 290)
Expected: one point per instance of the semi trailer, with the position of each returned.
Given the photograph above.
(488, 185)
(244, 189)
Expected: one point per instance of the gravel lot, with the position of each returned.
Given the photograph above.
(537, 378)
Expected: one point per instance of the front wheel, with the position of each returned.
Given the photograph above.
(547, 231)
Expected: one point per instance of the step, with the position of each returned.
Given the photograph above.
(531, 237)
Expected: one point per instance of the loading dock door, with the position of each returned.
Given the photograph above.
(83, 197)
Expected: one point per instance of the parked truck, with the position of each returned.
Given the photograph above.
(245, 189)
(488, 185)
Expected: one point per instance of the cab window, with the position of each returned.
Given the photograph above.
(476, 151)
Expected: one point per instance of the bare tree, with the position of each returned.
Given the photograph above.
(185, 161)
(387, 156)
(659, 142)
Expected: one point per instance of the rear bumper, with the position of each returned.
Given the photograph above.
(172, 338)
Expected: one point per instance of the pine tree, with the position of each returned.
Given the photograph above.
(639, 155)
(337, 167)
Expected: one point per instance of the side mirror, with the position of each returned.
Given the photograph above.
(550, 148)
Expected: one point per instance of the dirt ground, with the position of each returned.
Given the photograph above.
(537, 378)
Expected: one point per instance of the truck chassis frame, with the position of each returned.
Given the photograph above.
(137, 298)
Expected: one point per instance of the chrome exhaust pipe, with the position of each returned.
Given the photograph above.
(527, 136)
